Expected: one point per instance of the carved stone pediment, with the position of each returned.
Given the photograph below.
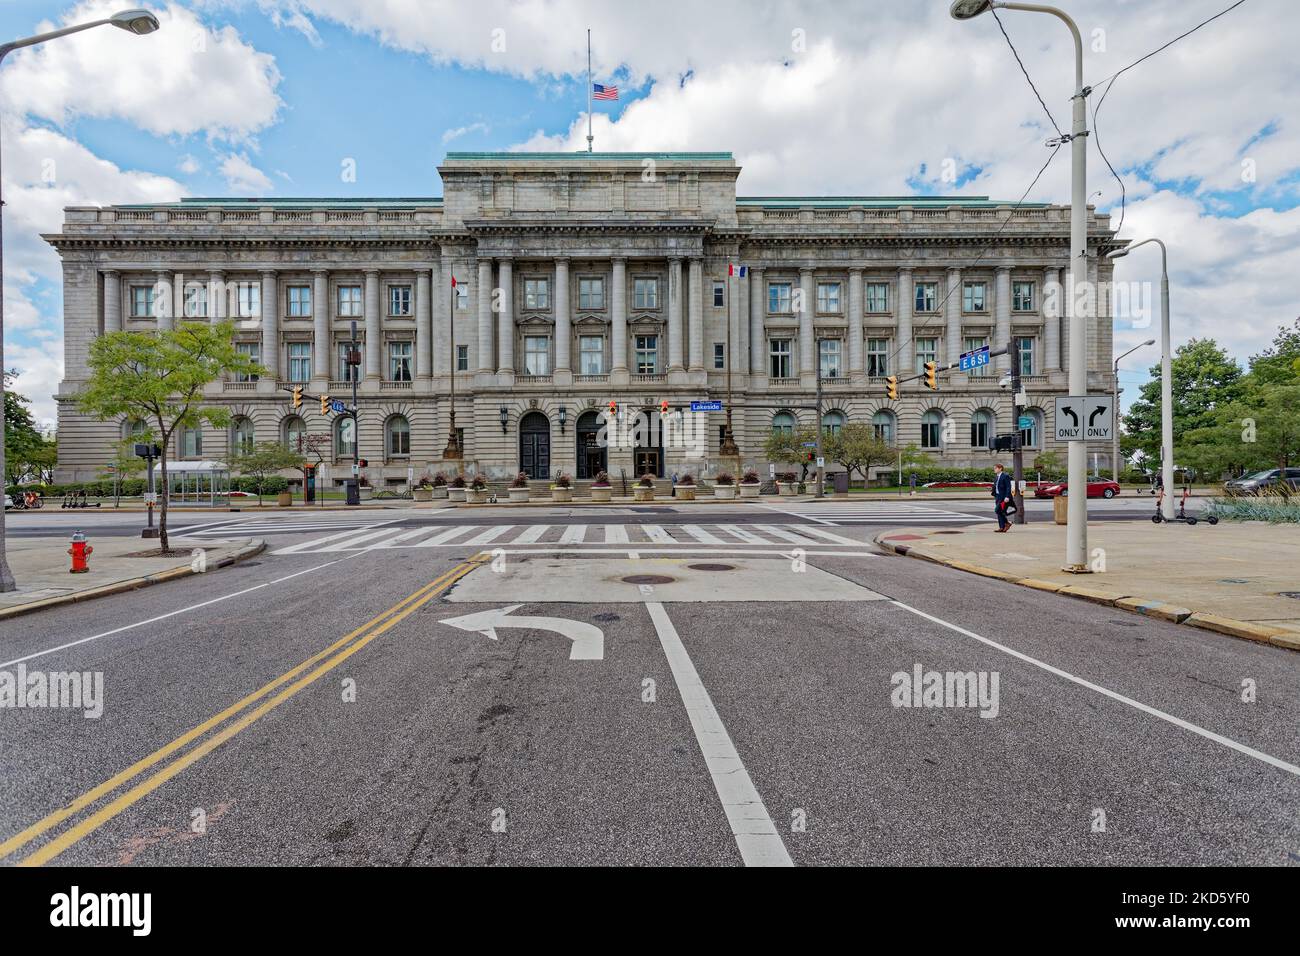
(591, 321)
(535, 321)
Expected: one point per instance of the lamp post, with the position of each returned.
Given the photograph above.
(1166, 378)
(138, 22)
(1114, 455)
(1076, 538)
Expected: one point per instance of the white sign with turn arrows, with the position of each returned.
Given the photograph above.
(1085, 418)
(588, 640)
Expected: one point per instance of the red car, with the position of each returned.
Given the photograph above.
(1097, 488)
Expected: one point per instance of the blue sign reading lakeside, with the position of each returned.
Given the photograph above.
(706, 406)
(975, 359)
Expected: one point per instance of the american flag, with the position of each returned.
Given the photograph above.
(604, 92)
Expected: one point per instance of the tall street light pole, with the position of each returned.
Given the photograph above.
(1114, 452)
(1076, 539)
(1166, 378)
(138, 22)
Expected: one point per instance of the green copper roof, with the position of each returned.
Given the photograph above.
(583, 154)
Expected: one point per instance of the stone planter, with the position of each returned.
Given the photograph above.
(284, 499)
(456, 494)
(422, 494)
(518, 494)
(439, 492)
(684, 492)
(750, 491)
(725, 492)
(476, 497)
(643, 494)
(367, 492)
(599, 493)
(561, 494)
(787, 489)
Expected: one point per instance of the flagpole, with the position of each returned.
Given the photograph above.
(589, 90)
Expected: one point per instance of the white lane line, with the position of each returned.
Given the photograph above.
(184, 610)
(743, 535)
(658, 534)
(756, 836)
(1113, 695)
(615, 534)
(490, 534)
(702, 536)
(442, 537)
(532, 533)
(315, 545)
(573, 534)
(835, 538)
(194, 528)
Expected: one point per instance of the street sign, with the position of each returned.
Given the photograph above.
(714, 406)
(810, 444)
(1084, 418)
(975, 358)
(821, 462)
(1025, 422)
(151, 497)
(337, 406)
(771, 470)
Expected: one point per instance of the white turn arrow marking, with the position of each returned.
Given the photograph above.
(588, 640)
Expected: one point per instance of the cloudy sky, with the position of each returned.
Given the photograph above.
(886, 97)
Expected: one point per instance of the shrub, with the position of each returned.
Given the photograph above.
(686, 480)
(749, 478)
(477, 483)
(647, 480)
(725, 478)
(1275, 509)
(787, 477)
(521, 481)
(439, 480)
(601, 480)
(563, 481)
(458, 481)
(426, 481)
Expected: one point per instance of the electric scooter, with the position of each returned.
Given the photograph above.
(1182, 510)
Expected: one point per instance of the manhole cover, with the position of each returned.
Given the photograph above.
(1233, 581)
(949, 532)
(647, 579)
(653, 511)
(712, 567)
(1290, 594)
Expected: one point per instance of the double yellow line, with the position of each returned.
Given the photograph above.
(296, 679)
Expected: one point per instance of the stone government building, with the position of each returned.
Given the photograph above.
(583, 278)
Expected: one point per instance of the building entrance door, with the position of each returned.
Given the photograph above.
(591, 455)
(648, 461)
(535, 446)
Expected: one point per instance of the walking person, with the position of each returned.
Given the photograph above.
(1001, 497)
(913, 484)
(674, 484)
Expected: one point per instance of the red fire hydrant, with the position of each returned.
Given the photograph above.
(80, 551)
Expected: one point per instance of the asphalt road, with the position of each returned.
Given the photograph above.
(313, 706)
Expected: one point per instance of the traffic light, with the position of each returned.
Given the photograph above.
(613, 409)
(324, 404)
(663, 408)
(362, 463)
(931, 370)
(891, 387)
(297, 396)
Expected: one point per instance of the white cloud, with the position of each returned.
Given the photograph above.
(458, 132)
(40, 369)
(188, 165)
(243, 177)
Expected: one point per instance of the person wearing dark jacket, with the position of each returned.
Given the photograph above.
(1001, 497)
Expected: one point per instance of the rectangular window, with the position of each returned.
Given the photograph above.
(778, 297)
(399, 361)
(927, 296)
(249, 299)
(191, 443)
(141, 301)
(828, 297)
(878, 357)
(930, 427)
(537, 293)
(348, 372)
(462, 358)
(591, 352)
(299, 301)
(719, 355)
(252, 351)
(877, 296)
(462, 298)
(647, 355)
(973, 343)
(196, 301)
(828, 358)
(537, 355)
(779, 358)
(299, 361)
(719, 295)
(645, 293)
(1025, 354)
(349, 301)
(591, 293)
(399, 300)
(1022, 297)
(972, 297)
(927, 350)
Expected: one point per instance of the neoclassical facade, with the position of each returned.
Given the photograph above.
(550, 284)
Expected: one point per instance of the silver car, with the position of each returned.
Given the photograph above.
(1270, 478)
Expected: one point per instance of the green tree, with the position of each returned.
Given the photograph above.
(1205, 378)
(23, 440)
(1049, 463)
(159, 379)
(789, 447)
(125, 463)
(856, 447)
(1261, 430)
(1279, 364)
(264, 460)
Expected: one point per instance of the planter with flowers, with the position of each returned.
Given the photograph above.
(600, 489)
(645, 488)
(477, 492)
(439, 485)
(685, 488)
(423, 491)
(749, 485)
(787, 484)
(456, 491)
(365, 489)
(519, 488)
(562, 490)
(724, 486)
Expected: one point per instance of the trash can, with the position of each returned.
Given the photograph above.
(1060, 509)
(353, 492)
(841, 482)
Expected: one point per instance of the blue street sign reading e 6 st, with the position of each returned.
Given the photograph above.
(975, 358)
(337, 406)
(714, 406)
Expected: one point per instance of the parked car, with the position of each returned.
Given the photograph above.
(1270, 478)
(9, 502)
(1097, 488)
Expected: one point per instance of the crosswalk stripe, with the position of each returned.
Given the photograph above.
(615, 534)
(783, 535)
(315, 545)
(574, 534)
(532, 533)
(657, 534)
(829, 536)
(357, 539)
(443, 537)
(491, 534)
(699, 534)
(404, 536)
(742, 534)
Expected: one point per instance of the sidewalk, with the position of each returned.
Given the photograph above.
(1231, 578)
(40, 566)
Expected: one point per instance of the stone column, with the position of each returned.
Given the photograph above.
(856, 360)
(112, 301)
(695, 314)
(320, 313)
(952, 313)
(442, 311)
(1053, 301)
(216, 296)
(1002, 317)
(618, 315)
(271, 324)
(485, 357)
(905, 348)
(740, 326)
(807, 343)
(169, 299)
(676, 352)
(563, 320)
(374, 331)
(423, 324)
(757, 309)
(506, 318)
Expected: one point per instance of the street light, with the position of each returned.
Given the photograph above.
(1076, 538)
(1166, 378)
(135, 21)
(1114, 454)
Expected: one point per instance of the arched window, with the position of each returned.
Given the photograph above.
(398, 437)
(931, 428)
(783, 423)
(134, 428)
(882, 423)
(1032, 436)
(295, 433)
(345, 437)
(241, 436)
(981, 428)
(832, 422)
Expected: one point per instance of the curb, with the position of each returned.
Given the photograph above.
(254, 547)
(1259, 633)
